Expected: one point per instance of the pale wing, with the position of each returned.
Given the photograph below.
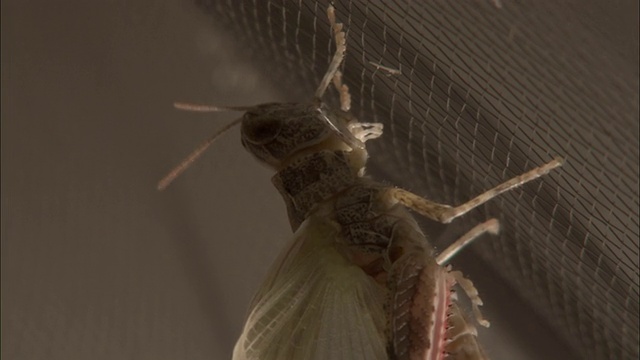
(315, 304)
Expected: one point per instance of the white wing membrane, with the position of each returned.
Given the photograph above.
(315, 304)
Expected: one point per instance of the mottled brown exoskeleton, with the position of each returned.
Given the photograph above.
(359, 280)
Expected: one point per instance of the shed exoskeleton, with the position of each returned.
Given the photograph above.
(359, 280)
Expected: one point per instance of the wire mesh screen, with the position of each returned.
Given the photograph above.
(475, 92)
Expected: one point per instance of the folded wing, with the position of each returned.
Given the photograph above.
(315, 304)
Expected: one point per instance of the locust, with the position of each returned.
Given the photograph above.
(359, 279)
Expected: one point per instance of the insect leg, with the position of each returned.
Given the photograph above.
(345, 96)
(473, 295)
(365, 131)
(491, 226)
(341, 47)
(418, 306)
(445, 213)
(461, 337)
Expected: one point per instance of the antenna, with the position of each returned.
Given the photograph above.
(209, 108)
(184, 165)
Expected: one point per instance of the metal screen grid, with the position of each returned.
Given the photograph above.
(475, 93)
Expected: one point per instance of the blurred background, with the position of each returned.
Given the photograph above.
(97, 264)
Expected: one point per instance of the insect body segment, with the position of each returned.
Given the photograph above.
(360, 280)
(274, 133)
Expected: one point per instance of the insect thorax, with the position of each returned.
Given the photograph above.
(308, 146)
(332, 179)
(319, 158)
(316, 177)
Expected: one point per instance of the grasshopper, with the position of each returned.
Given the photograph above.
(360, 279)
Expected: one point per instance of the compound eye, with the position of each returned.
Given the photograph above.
(260, 130)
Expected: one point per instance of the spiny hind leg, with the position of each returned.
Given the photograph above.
(490, 226)
(417, 306)
(472, 294)
(338, 56)
(445, 213)
(462, 342)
